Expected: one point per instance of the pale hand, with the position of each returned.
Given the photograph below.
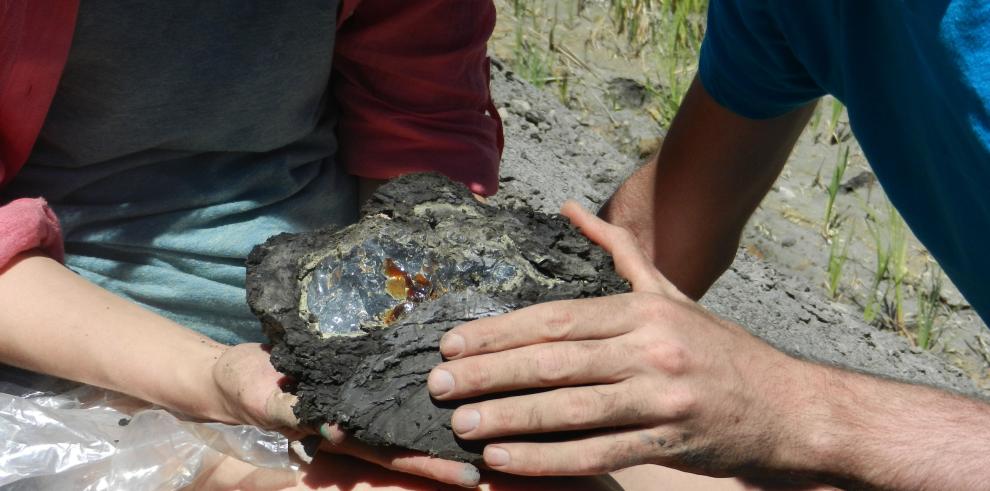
(251, 393)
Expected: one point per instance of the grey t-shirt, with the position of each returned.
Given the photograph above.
(182, 134)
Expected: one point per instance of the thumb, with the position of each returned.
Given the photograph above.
(630, 260)
(279, 410)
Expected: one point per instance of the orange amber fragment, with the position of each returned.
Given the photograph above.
(421, 280)
(396, 288)
(396, 280)
(398, 311)
(409, 290)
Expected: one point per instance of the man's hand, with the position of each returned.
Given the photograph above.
(251, 393)
(655, 377)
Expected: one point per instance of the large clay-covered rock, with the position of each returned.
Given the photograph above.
(355, 315)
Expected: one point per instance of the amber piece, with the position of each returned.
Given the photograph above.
(397, 282)
(396, 312)
(421, 289)
(421, 280)
(396, 287)
(409, 289)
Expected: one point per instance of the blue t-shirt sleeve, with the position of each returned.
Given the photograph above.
(747, 65)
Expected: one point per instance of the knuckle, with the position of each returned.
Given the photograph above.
(651, 306)
(476, 376)
(668, 357)
(499, 417)
(678, 403)
(534, 418)
(559, 323)
(619, 405)
(418, 467)
(577, 409)
(657, 445)
(554, 365)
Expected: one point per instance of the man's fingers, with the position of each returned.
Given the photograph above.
(567, 409)
(400, 460)
(592, 455)
(564, 320)
(630, 260)
(540, 365)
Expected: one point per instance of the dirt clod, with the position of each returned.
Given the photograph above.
(483, 261)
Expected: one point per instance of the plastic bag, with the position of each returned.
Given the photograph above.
(58, 435)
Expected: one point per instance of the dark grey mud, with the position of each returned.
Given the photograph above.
(425, 257)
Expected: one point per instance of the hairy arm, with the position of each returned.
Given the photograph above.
(687, 206)
(694, 391)
(662, 381)
(712, 171)
(863, 430)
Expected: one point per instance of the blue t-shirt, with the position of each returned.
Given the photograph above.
(915, 78)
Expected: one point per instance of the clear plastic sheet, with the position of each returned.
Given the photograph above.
(55, 435)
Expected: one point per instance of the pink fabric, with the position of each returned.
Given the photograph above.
(27, 224)
(34, 43)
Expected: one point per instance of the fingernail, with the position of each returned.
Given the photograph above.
(470, 477)
(440, 382)
(496, 456)
(325, 430)
(451, 345)
(328, 434)
(465, 420)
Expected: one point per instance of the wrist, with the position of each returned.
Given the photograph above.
(822, 419)
(202, 397)
(804, 436)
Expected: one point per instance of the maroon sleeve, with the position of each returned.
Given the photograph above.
(35, 38)
(411, 82)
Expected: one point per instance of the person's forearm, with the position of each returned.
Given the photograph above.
(55, 322)
(688, 206)
(857, 431)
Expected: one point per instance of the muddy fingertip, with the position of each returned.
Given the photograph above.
(470, 476)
